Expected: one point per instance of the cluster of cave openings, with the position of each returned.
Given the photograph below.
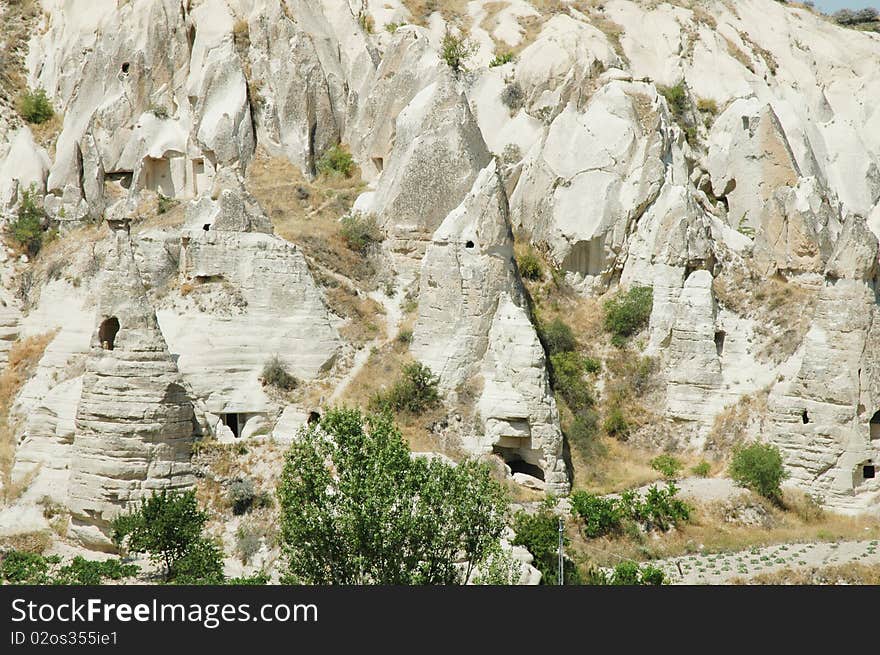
(107, 332)
(517, 464)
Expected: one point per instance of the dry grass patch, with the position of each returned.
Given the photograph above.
(23, 359)
(710, 530)
(453, 11)
(19, 17)
(365, 316)
(731, 426)
(28, 542)
(307, 213)
(841, 574)
(381, 371)
(782, 310)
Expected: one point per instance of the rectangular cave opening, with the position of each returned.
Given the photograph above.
(869, 471)
(233, 422)
(517, 464)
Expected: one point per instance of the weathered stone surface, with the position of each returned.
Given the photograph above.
(134, 423)
(517, 408)
(613, 151)
(466, 269)
(438, 152)
(245, 296)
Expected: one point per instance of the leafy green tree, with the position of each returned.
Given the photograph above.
(356, 508)
(758, 467)
(200, 564)
(167, 526)
(539, 533)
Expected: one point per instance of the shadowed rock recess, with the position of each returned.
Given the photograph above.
(243, 212)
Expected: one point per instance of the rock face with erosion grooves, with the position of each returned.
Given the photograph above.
(134, 424)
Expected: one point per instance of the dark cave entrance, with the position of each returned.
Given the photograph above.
(232, 422)
(517, 464)
(875, 426)
(107, 333)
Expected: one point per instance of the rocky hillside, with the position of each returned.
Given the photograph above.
(608, 228)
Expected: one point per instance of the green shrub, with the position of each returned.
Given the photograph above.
(592, 365)
(405, 336)
(241, 496)
(583, 434)
(627, 573)
(34, 106)
(391, 28)
(513, 97)
(600, 516)
(661, 509)
(758, 467)
(415, 391)
(558, 337)
(568, 379)
(539, 533)
(529, 265)
(615, 424)
(359, 232)
(20, 567)
(159, 111)
(628, 312)
(703, 469)
(166, 204)
(81, 571)
(456, 50)
(677, 99)
(26, 229)
(275, 374)
(668, 465)
(501, 59)
(336, 161)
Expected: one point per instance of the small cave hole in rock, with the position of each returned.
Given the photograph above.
(314, 417)
(868, 471)
(107, 332)
(469, 244)
(379, 163)
(231, 421)
(875, 426)
(125, 67)
(206, 227)
(720, 336)
(805, 417)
